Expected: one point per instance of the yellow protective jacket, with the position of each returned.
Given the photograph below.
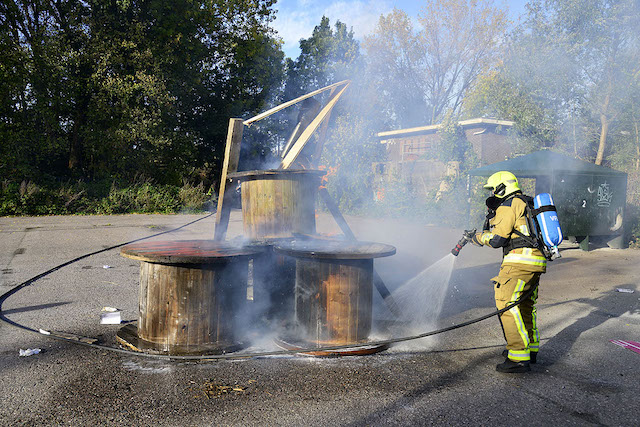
(510, 215)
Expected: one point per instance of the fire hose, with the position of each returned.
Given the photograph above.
(247, 355)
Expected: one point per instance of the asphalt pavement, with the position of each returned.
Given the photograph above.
(581, 377)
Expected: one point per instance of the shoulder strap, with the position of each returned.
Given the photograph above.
(530, 240)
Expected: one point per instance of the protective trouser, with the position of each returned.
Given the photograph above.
(519, 324)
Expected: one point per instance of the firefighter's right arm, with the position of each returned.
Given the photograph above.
(501, 228)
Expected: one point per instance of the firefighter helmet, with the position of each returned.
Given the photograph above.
(502, 184)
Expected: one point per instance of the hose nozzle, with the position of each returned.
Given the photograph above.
(466, 238)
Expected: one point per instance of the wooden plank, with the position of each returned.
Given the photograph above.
(322, 136)
(294, 101)
(293, 153)
(230, 165)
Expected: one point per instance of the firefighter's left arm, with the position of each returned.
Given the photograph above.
(502, 226)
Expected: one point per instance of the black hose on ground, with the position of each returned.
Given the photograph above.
(28, 282)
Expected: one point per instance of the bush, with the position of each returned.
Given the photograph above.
(632, 226)
(28, 198)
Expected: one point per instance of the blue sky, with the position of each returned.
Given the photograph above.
(297, 18)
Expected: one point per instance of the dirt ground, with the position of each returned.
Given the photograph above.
(582, 378)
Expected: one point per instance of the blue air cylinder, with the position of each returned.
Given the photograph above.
(548, 221)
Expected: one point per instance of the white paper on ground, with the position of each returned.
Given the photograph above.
(112, 318)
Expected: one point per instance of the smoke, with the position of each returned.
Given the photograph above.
(421, 300)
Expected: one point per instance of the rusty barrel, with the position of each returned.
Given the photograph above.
(334, 289)
(192, 296)
(278, 203)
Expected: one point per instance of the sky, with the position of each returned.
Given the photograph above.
(296, 19)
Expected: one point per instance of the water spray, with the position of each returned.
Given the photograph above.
(466, 238)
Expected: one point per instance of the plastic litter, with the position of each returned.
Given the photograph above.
(42, 331)
(110, 317)
(29, 352)
(625, 290)
(106, 266)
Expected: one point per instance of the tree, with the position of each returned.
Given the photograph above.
(423, 74)
(461, 39)
(497, 95)
(110, 88)
(602, 36)
(394, 57)
(578, 58)
(328, 56)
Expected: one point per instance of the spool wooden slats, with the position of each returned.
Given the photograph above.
(192, 296)
(273, 286)
(334, 289)
(334, 300)
(278, 203)
(191, 307)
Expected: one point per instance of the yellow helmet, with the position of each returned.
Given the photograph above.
(502, 184)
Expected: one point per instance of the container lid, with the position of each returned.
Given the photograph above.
(275, 173)
(335, 249)
(187, 251)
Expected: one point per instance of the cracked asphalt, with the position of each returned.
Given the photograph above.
(581, 378)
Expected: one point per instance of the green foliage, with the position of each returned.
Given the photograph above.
(111, 89)
(396, 200)
(28, 198)
(348, 155)
(632, 226)
(453, 142)
(328, 56)
(497, 95)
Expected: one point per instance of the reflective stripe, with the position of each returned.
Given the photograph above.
(515, 311)
(484, 239)
(525, 258)
(524, 229)
(519, 355)
(535, 339)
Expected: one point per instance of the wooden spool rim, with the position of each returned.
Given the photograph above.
(188, 252)
(293, 344)
(274, 174)
(326, 249)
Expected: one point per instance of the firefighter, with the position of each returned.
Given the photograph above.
(522, 265)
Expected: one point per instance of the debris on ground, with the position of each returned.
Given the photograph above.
(625, 290)
(74, 337)
(110, 316)
(29, 352)
(213, 391)
(106, 266)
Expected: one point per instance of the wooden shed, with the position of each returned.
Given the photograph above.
(412, 152)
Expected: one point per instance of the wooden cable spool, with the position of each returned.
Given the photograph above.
(192, 296)
(333, 289)
(278, 203)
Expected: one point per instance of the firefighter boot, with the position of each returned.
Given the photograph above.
(511, 367)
